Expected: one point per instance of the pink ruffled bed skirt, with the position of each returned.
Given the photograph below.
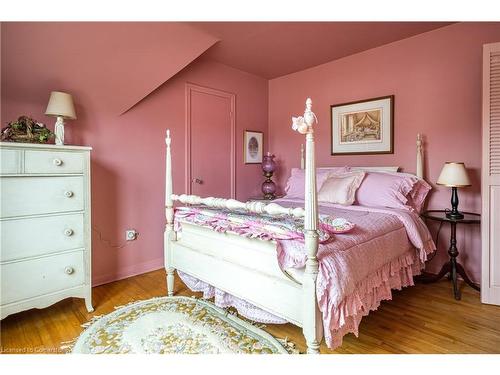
(344, 318)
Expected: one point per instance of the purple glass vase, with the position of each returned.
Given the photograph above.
(268, 167)
(269, 189)
(268, 163)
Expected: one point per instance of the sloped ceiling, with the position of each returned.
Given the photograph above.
(128, 60)
(132, 58)
(273, 49)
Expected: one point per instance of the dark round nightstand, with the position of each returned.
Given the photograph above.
(451, 267)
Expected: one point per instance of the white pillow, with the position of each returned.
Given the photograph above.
(341, 188)
(295, 187)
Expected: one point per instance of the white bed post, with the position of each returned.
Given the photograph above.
(302, 160)
(312, 323)
(169, 215)
(420, 157)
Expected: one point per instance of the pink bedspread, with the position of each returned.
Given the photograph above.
(357, 269)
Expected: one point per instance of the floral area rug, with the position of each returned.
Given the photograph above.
(176, 325)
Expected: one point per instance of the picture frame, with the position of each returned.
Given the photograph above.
(253, 145)
(364, 127)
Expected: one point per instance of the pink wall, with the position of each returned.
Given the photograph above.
(436, 80)
(128, 157)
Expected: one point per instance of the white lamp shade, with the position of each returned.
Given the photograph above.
(61, 104)
(454, 175)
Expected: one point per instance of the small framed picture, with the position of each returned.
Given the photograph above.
(253, 145)
(363, 127)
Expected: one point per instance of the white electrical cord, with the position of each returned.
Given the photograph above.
(108, 243)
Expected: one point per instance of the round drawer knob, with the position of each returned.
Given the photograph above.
(69, 270)
(57, 162)
(68, 232)
(68, 193)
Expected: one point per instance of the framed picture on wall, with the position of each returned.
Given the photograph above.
(363, 127)
(252, 147)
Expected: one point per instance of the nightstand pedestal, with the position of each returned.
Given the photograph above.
(452, 267)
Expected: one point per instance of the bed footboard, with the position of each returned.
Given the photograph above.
(246, 268)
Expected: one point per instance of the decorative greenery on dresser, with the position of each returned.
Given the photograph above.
(26, 130)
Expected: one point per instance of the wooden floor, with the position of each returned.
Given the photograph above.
(420, 319)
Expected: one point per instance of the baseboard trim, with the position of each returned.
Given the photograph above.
(133, 270)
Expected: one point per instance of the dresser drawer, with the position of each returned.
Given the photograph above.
(40, 195)
(28, 237)
(53, 162)
(10, 161)
(36, 277)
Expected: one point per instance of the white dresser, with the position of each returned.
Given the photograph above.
(45, 245)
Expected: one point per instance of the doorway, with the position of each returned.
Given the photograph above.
(210, 142)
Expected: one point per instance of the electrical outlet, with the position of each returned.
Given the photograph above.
(131, 234)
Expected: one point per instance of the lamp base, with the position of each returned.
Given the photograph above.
(454, 215)
(59, 131)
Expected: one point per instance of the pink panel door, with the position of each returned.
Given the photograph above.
(211, 143)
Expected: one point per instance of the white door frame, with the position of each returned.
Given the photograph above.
(190, 88)
(490, 191)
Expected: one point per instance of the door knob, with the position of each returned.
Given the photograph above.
(197, 181)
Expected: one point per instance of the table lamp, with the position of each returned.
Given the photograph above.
(454, 175)
(268, 167)
(60, 106)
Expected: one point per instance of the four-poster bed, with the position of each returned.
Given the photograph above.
(248, 268)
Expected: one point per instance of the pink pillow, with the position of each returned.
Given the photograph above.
(295, 187)
(416, 197)
(341, 188)
(380, 189)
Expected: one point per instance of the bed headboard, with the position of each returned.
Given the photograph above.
(372, 169)
(419, 171)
